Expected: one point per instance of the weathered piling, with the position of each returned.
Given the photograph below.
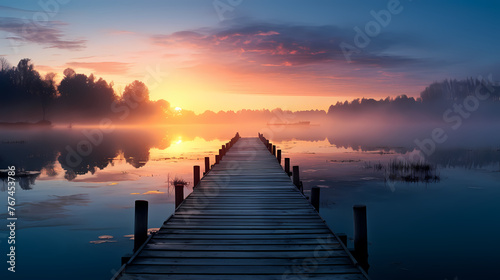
(287, 166)
(141, 223)
(315, 197)
(296, 176)
(179, 194)
(217, 159)
(360, 235)
(196, 175)
(343, 238)
(279, 156)
(207, 164)
(274, 150)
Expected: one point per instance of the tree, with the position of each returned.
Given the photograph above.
(47, 92)
(68, 72)
(136, 92)
(4, 64)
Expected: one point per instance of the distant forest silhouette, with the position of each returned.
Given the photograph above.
(27, 96)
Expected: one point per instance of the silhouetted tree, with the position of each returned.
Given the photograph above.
(84, 97)
(4, 64)
(135, 93)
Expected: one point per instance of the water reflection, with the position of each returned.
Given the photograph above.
(75, 152)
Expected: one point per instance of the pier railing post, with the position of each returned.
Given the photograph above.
(315, 197)
(179, 194)
(343, 238)
(141, 223)
(360, 235)
(279, 156)
(207, 164)
(196, 175)
(274, 150)
(287, 166)
(217, 159)
(296, 176)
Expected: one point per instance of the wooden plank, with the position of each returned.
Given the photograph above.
(242, 226)
(232, 262)
(295, 241)
(290, 276)
(239, 254)
(241, 231)
(240, 247)
(234, 269)
(314, 236)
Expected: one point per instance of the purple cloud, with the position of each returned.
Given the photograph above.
(284, 45)
(44, 33)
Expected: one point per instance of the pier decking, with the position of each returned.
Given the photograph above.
(244, 220)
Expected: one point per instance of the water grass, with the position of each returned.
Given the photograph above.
(404, 171)
(179, 181)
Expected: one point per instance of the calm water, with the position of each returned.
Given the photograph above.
(79, 218)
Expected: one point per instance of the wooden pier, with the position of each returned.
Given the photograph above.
(244, 220)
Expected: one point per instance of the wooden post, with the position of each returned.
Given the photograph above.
(179, 194)
(274, 150)
(217, 159)
(220, 154)
(360, 235)
(223, 150)
(287, 166)
(270, 148)
(279, 156)
(126, 258)
(315, 197)
(196, 177)
(207, 164)
(343, 238)
(141, 223)
(296, 176)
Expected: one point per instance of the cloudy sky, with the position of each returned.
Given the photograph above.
(235, 54)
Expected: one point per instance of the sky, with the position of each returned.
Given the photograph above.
(255, 54)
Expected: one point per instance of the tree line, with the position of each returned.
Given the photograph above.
(27, 96)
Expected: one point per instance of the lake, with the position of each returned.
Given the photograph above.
(75, 218)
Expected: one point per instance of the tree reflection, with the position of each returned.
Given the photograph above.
(48, 151)
(39, 150)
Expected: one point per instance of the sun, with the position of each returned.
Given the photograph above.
(178, 109)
